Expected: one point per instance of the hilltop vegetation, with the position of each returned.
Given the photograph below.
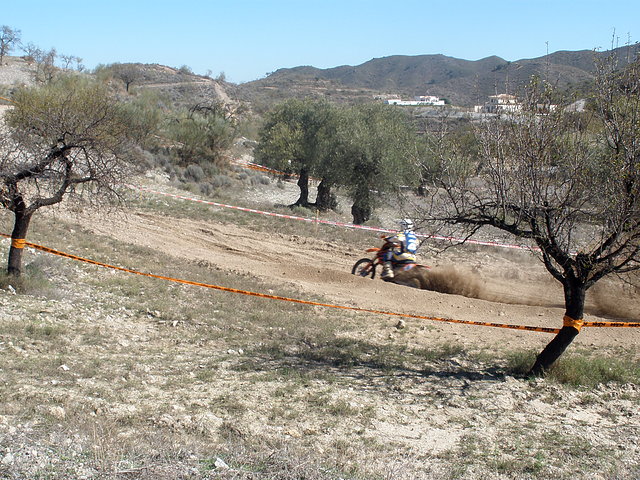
(462, 83)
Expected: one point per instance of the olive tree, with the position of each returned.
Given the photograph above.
(202, 133)
(68, 138)
(127, 73)
(568, 182)
(377, 146)
(296, 138)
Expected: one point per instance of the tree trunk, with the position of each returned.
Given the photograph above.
(361, 213)
(303, 183)
(574, 297)
(422, 190)
(20, 227)
(362, 204)
(325, 200)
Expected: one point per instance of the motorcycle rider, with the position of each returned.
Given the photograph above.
(404, 249)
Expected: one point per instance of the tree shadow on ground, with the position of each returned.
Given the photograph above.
(369, 365)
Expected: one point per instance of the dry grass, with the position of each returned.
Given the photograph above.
(109, 375)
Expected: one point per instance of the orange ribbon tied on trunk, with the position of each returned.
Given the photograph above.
(572, 322)
(18, 242)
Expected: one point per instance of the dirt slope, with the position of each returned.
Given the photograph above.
(514, 287)
(141, 377)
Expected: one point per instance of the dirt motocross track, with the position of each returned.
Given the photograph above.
(513, 286)
(457, 413)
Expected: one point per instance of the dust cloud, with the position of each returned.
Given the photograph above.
(450, 280)
(615, 301)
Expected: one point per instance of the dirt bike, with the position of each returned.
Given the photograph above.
(366, 267)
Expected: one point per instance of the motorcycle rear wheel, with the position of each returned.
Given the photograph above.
(364, 268)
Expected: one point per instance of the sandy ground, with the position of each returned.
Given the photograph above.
(428, 419)
(514, 287)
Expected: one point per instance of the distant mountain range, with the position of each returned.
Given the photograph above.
(461, 82)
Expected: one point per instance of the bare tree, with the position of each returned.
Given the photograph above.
(31, 52)
(9, 38)
(68, 138)
(67, 61)
(70, 62)
(568, 182)
(45, 65)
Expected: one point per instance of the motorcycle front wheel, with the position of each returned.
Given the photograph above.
(364, 268)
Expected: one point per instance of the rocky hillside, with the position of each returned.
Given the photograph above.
(461, 82)
(180, 86)
(177, 86)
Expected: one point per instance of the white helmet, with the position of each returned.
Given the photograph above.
(406, 224)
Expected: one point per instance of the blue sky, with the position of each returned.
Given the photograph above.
(246, 39)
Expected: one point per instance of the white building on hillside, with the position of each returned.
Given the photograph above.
(420, 100)
(502, 103)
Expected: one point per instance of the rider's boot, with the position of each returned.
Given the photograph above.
(387, 271)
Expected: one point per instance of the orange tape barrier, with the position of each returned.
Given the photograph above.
(262, 168)
(328, 305)
(18, 242)
(572, 322)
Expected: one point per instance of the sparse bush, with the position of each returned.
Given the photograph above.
(260, 180)
(206, 189)
(201, 135)
(173, 171)
(161, 159)
(220, 181)
(43, 331)
(148, 159)
(194, 173)
(302, 211)
(519, 362)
